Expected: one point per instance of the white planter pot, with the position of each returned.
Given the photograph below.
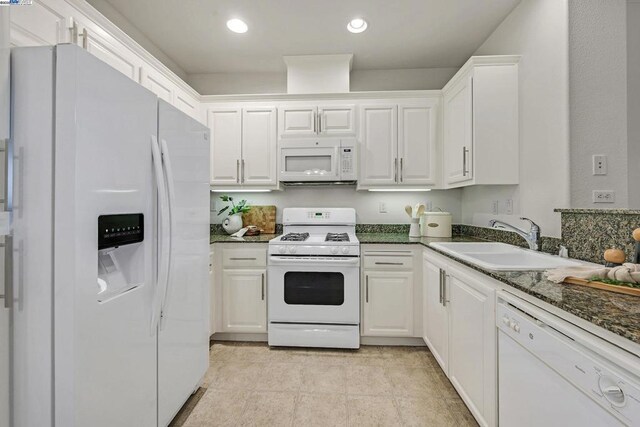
(232, 223)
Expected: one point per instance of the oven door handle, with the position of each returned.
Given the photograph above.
(276, 260)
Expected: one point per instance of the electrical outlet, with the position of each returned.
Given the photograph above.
(382, 207)
(494, 207)
(599, 164)
(604, 196)
(508, 207)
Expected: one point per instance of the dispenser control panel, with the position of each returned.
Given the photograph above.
(120, 229)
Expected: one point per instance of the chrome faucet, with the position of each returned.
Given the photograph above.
(532, 236)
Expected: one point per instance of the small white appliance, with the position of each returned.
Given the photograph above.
(318, 160)
(109, 192)
(314, 280)
(552, 373)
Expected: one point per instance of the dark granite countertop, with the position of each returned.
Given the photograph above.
(617, 313)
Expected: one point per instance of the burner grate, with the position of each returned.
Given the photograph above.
(337, 237)
(294, 237)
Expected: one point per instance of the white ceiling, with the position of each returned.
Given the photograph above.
(402, 33)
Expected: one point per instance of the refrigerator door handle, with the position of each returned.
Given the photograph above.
(163, 259)
(166, 161)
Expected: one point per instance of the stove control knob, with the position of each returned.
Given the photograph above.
(334, 250)
(282, 249)
(345, 250)
(292, 250)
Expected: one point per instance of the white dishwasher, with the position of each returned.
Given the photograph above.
(552, 373)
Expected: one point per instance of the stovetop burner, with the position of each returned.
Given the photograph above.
(294, 237)
(337, 237)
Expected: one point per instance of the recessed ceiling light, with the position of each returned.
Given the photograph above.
(237, 26)
(357, 25)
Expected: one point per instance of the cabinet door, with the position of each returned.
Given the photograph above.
(259, 147)
(111, 51)
(378, 145)
(38, 24)
(472, 345)
(435, 316)
(226, 145)
(417, 136)
(157, 83)
(458, 133)
(388, 303)
(337, 120)
(244, 305)
(187, 103)
(295, 121)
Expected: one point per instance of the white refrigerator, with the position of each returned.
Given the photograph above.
(110, 230)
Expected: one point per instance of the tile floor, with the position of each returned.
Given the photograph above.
(251, 384)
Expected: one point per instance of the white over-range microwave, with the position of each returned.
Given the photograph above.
(318, 160)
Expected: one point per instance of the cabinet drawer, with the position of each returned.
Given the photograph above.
(244, 257)
(388, 262)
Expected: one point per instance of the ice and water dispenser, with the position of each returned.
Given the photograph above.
(120, 254)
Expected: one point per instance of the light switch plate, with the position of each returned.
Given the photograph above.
(494, 207)
(508, 208)
(599, 164)
(382, 207)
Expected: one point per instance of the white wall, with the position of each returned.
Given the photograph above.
(633, 101)
(361, 80)
(537, 30)
(366, 203)
(598, 99)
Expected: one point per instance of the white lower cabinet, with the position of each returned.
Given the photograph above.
(388, 304)
(212, 292)
(472, 344)
(239, 288)
(435, 315)
(244, 302)
(459, 328)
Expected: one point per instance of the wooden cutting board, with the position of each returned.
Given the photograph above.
(263, 217)
(603, 286)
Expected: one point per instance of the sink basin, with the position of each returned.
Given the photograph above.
(503, 257)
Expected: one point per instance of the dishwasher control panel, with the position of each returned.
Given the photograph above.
(551, 340)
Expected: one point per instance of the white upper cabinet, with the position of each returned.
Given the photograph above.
(188, 103)
(417, 138)
(481, 123)
(40, 24)
(398, 144)
(157, 83)
(243, 147)
(378, 145)
(259, 147)
(226, 145)
(297, 121)
(337, 120)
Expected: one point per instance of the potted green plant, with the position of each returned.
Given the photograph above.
(233, 222)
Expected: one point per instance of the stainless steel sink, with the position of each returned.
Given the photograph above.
(503, 257)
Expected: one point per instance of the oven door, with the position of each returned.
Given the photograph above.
(314, 290)
(311, 161)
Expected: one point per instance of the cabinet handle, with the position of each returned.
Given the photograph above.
(243, 171)
(388, 263)
(440, 286)
(319, 122)
(238, 171)
(315, 123)
(8, 271)
(465, 151)
(85, 37)
(395, 170)
(444, 289)
(401, 169)
(366, 289)
(262, 286)
(242, 259)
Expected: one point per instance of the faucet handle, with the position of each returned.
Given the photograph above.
(533, 224)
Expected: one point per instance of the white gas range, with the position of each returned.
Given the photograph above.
(314, 280)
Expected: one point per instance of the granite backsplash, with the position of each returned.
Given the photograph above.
(588, 232)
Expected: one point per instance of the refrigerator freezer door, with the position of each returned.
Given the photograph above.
(183, 341)
(105, 350)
